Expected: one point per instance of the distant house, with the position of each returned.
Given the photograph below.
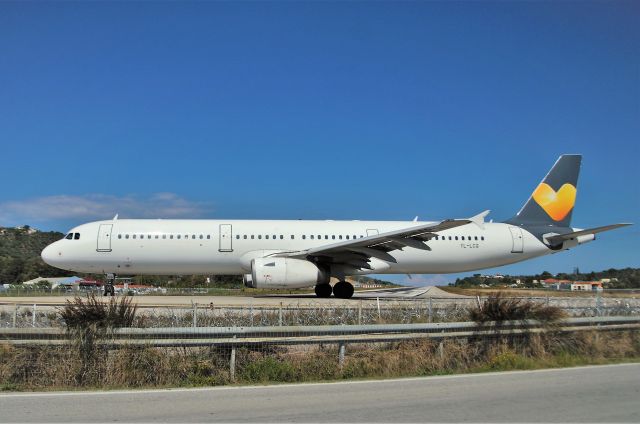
(587, 286)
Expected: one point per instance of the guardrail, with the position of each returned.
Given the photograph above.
(245, 336)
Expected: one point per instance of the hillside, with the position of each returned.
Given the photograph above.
(20, 254)
(626, 278)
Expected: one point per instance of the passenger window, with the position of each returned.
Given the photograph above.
(252, 236)
(119, 236)
(354, 237)
(476, 237)
(164, 237)
(456, 237)
(461, 237)
(449, 237)
(481, 237)
(267, 237)
(281, 237)
(244, 236)
(193, 237)
(201, 236)
(208, 236)
(149, 236)
(333, 237)
(171, 236)
(237, 237)
(347, 236)
(311, 236)
(304, 237)
(157, 237)
(274, 237)
(134, 236)
(326, 237)
(292, 237)
(126, 236)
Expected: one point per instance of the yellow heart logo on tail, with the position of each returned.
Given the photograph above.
(557, 204)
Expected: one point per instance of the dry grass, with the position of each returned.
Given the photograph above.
(64, 367)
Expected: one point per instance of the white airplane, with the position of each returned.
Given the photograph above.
(296, 254)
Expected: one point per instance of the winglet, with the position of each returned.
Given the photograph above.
(115, 218)
(479, 219)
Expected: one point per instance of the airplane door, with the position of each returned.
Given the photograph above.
(225, 238)
(104, 238)
(372, 232)
(518, 241)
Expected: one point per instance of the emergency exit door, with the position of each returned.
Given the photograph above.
(226, 238)
(104, 238)
(518, 242)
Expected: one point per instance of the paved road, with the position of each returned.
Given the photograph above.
(586, 394)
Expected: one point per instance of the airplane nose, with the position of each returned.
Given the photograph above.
(49, 254)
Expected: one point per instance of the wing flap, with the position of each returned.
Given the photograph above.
(357, 253)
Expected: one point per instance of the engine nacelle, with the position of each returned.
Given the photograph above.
(284, 273)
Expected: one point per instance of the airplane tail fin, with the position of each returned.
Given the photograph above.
(551, 203)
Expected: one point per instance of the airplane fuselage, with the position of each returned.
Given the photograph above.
(174, 247)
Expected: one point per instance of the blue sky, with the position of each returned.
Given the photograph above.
(318, 110)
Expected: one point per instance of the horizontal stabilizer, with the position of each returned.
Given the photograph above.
(553, 240)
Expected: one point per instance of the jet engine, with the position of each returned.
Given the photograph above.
(284, 272)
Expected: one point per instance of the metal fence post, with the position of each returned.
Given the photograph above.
(430, 310)
(33, 316)
(195, 314)
(280, 315)
(341, 352)
(232, 362)
(15, 315)
(360, 313)
(378, 302)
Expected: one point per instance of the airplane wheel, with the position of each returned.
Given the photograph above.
(323, 290)
(343, 290)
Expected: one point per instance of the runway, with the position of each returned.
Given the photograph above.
(585, 394)
(287, 300)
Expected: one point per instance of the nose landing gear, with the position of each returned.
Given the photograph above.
(109, 290)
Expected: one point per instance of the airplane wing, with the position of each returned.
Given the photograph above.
(557, 239)
(358, 252)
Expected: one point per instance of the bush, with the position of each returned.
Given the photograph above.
(81, 313)
(498, 308)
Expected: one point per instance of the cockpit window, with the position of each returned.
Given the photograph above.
(76, 236)
(69, 236)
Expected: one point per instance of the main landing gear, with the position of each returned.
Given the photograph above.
(109, 290)
(341, 290)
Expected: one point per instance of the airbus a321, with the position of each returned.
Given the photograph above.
(298, 254)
